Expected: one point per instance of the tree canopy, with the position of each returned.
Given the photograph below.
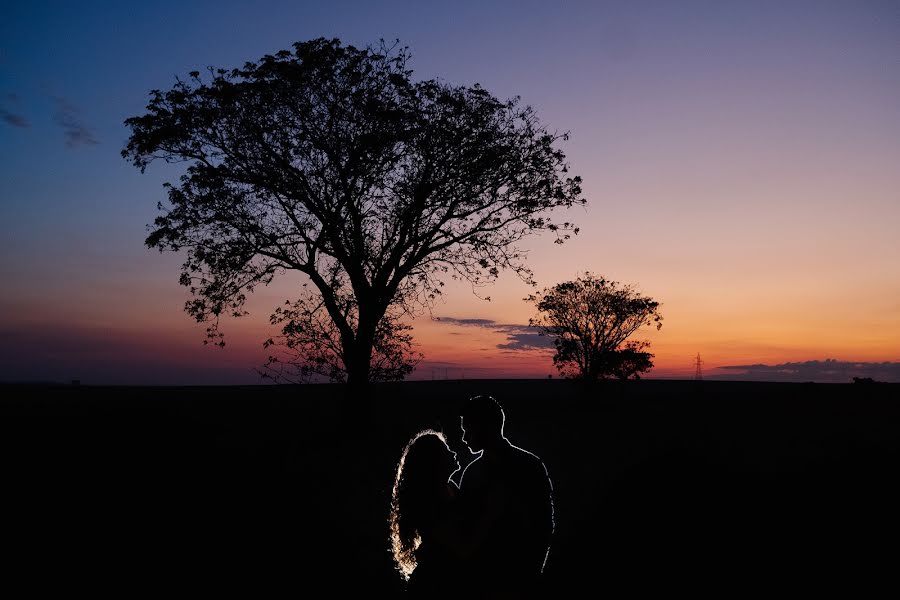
(591, 320)
(331, 161)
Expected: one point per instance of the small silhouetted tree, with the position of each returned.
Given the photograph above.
(591, 320)
(331, 161)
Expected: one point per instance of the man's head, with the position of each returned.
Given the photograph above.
(482, 422)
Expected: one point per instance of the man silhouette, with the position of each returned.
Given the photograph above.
(506, 497)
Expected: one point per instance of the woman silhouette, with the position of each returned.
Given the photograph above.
(425, 528)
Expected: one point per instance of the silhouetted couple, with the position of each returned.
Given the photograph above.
(487, 538)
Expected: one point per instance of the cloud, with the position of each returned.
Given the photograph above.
(822, 371)
(528, 340)
(13, 119)
(518, 337)
(487, 323)
(75, 131)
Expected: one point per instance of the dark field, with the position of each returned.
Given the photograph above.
(704, 488)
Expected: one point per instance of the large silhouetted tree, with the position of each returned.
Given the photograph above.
(591, 320)
(332, 161)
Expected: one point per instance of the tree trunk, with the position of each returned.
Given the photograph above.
(358, 366)
(359, 361)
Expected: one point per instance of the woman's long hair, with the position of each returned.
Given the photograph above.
(415, 498)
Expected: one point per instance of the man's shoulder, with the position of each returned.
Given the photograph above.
(525, 456)
(528, 461)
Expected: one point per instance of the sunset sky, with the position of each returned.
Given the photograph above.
(741, 163)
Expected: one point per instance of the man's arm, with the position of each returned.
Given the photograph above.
(540, 520)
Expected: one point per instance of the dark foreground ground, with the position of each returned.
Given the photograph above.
(704, 488)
